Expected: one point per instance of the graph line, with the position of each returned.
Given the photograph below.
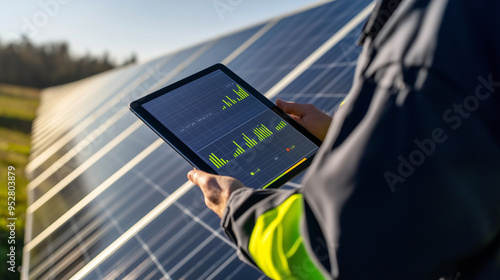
(262, 133)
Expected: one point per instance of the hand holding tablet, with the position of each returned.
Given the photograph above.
(223, 126)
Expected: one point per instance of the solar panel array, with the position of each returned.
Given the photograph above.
(109, 200)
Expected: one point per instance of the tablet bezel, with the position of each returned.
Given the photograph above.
(188, 154)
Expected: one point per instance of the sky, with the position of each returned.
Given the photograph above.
(148, 28)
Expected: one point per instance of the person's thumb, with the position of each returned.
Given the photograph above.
(198, 177)
(290, 107)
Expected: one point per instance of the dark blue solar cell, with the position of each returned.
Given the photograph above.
(183, 249)
(220, 50)
(237, 270)
(327, 82)
(121, 264)
(80, 153)
(94, 99)
(127, 200)
(90, 179)
(290, 41)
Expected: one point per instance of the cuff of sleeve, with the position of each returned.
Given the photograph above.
(230, 205)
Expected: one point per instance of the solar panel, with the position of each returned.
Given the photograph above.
(109, 200)
(327, 82)
(291, 41)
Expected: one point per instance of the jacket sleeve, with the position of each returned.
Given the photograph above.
(266, 227)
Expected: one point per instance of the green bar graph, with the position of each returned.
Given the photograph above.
(218, 162)
(267, 130)
(232, 100)
(249, 142)
(221, 163)
(259, 135)
(214, 161)
(239, 150)
(241, 93)
(281, 125)
(228, 104)
(262, 132)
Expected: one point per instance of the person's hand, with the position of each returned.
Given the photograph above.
(309, 116)
(216, 189)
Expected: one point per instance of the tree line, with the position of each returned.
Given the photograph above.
(43, 65)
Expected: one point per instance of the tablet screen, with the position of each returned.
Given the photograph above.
(231, 130)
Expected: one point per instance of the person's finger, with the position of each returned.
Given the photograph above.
(291, 108)
(207, 183)
(190, 175)
(198, 177)
(297, 118)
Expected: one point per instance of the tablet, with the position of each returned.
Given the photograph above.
(222, 125)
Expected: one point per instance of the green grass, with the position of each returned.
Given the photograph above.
(17, 111)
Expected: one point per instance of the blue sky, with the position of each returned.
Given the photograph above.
(149, 28)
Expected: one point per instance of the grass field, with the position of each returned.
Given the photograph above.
(17, 111)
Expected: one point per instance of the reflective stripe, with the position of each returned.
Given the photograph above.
(277, 246)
